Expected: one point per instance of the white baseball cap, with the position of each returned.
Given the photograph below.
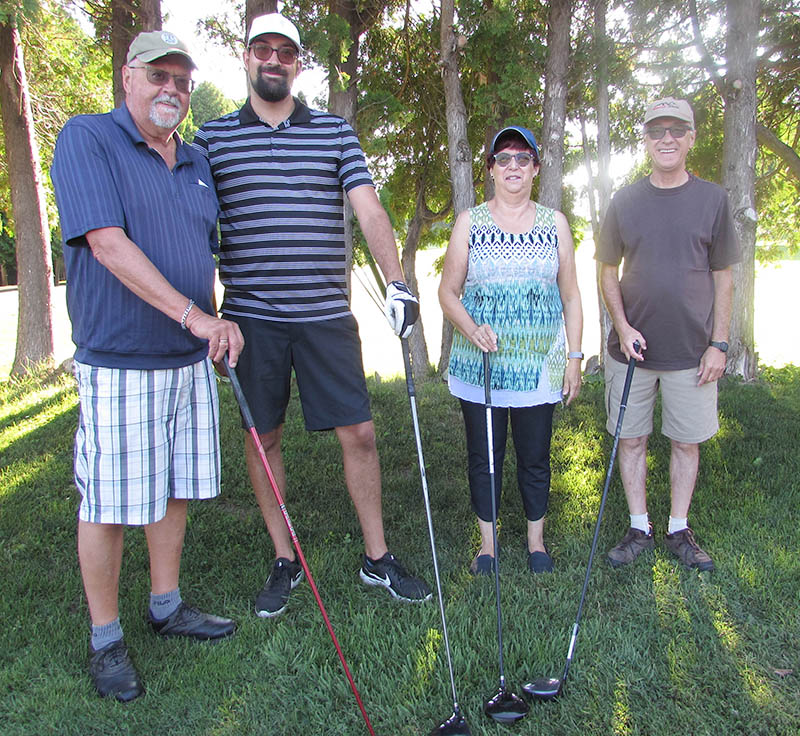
(274, 23)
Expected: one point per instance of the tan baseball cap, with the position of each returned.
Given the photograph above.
(669, 107)
(151, 45)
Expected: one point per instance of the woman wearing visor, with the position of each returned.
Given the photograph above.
(509, 287)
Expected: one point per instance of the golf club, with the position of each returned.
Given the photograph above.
(455, 725)
(248, 420)
(504, 706)
(548, 688)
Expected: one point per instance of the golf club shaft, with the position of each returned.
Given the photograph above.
(623, 405)
(415, 419)
(487, 379)
(248, 420)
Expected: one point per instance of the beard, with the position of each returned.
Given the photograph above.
(270, 90)
(167, 120)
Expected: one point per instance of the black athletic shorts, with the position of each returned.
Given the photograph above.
(326, 357)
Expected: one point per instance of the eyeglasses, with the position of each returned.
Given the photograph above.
(263, 51)
(159, 78)
(657, 132)
(504, 159)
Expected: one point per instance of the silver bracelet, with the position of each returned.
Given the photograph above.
(186, 313)
(577, 355)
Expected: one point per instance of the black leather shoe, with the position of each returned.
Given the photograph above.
(113, 672)
(188, 621)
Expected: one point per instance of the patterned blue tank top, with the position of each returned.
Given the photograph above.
(511, 285)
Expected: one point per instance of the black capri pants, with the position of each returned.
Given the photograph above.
(531, 430)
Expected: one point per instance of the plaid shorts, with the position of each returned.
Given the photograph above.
(145, 436)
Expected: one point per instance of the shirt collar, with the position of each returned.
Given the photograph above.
(300, 114)
(122, 117)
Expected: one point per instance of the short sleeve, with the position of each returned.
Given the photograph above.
(725, 249)
(85, 188)
(353, 170)
(609, 246)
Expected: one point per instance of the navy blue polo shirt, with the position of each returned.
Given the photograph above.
(105, 175)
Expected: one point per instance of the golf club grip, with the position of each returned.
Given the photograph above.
(237, 390)
(626, 389)
(407, 364)
(487, 379)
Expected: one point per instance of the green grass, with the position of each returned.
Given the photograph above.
(662, 651)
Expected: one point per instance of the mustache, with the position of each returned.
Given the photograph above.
(272, 69)
(169, 100)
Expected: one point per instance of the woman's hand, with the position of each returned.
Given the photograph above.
(572, 380)
(484, 339)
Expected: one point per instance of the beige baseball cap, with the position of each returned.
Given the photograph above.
(151, 45)
(669, 107)
(274, 23)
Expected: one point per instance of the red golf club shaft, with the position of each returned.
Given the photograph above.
(248, 417)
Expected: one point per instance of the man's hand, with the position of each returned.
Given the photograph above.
(222, 335)
(712, 365)
(628, 338)
(401, 308)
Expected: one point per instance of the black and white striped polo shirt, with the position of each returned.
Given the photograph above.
(282, 211)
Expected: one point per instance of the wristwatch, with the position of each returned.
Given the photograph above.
(721, 346)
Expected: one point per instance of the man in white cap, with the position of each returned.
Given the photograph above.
(280, 170)
(676, 236)
(138, 214)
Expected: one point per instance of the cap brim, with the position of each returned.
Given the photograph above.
(148, 56)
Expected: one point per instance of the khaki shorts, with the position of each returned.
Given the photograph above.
(688, 411)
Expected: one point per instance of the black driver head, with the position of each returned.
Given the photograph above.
(545, 688)
(505, 707)
(453, 726)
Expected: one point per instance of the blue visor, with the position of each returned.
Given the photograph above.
(524, 132)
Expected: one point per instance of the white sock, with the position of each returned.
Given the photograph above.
(676, 525)
(641, 522)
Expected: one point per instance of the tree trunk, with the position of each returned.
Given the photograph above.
(150, 15)
(254, 8)
(417, 343)
(459, 153)
(343, 97)
(34, 265)
(602, 53)
(555, 103)
(740, 149)
(123, 30)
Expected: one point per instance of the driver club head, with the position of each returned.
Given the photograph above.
(505, 707)
(453, 726)
(545, 688)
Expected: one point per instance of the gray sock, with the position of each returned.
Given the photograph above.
(106, 634)
(163, 605)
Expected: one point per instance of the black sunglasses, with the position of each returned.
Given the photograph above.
(657, 132)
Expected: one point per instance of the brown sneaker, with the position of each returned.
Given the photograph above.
(630, 547)
(683, 546)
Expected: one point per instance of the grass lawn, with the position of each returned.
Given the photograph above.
(662, 650)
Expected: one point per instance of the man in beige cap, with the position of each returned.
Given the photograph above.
(676, 236)
(138, 215)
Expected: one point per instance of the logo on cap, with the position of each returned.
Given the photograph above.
(169, 38)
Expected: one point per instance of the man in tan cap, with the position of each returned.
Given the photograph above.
(138, 215)
(676, 236)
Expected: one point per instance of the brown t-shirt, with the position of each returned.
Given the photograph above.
(670, 240)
